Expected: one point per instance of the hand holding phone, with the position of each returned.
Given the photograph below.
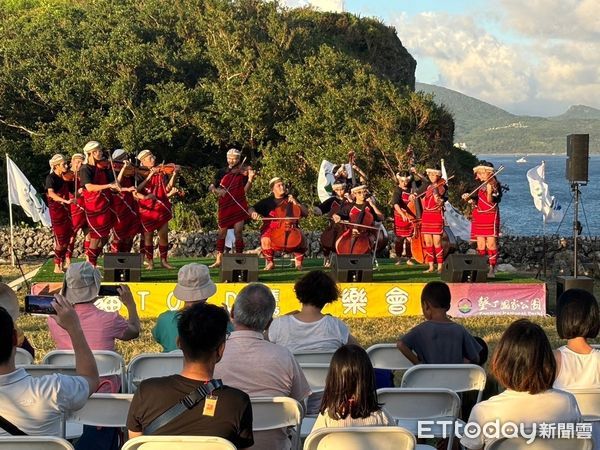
(108, 291)
(39, 304)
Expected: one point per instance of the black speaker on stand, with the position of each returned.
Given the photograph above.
(239, 268)
(122, 266)
(352, 268)
(458, 268)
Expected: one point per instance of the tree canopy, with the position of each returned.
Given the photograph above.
(192, 78)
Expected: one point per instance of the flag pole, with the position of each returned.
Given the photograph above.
(544, 244)
(12, 234)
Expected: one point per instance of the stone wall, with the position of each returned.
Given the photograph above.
(525, 253)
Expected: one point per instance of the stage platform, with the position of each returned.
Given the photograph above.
(395, 291)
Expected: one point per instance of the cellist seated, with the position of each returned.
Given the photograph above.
(280, 231)
(363, 212)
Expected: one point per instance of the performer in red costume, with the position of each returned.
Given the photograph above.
(78, 218)
(403, 217)
(485, 222)
(432, 219)
(231, 186)
(57, 194)
(155, 208)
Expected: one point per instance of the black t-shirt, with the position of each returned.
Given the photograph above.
(266, 205)
(54, 182)
(86, 174)
(326, 206)
(232, 418)
(344, 212)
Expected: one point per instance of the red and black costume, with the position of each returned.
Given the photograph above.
(98, 206)
(265, 208)
(403, 228)
(78, 219)
(329, 237)
(60, 215)
(485, 221)
(128, 225)
(353, 212)
(155, 212)
(233, 206)
(432, 218)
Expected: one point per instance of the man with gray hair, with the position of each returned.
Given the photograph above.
(257, 366)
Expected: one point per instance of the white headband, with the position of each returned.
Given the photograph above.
(91, 146)
(434, 171)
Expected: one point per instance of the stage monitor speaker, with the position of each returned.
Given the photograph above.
(565, 283)
(119, 267)
(578, 152)
(352, 268)
(458, 268)
(239, 268)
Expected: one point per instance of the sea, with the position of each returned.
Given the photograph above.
(519, 217)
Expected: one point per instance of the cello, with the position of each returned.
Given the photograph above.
(285, 234)
(356, 241)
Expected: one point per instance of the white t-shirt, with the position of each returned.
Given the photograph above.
(377, 418)
(551, 406)
(578, 371)
(324, 335)
(35, 404)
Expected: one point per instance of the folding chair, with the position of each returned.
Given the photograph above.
(313, 357)
(39, 370)
(272, 413)
(148, 365)
(456, 377)
(387, 356)
(588, 401)
(540, 444)
(316, 374)
(178, 443)
(23, 357)
(101, 410)
(360, 438)
(34, 443)
(409, 406)
(109, 363)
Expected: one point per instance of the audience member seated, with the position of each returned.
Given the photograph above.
(35, 405)
(578, 364)
(9, 301)
(225, 413)
(350, 396)
(310, 330)
(524, 364)
(259, 367)
(438, 340)
(101, 328)
(193, 286)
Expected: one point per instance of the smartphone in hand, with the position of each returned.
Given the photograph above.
(39, 304)
(108, 291)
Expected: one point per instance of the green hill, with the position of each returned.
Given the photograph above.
(485, 128)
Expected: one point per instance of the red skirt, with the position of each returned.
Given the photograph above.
(485, 223)
(61, 223)
(78, 214)
(100, 216)
(432, 222)
(128, 221)
(402, 228)
(233, 206)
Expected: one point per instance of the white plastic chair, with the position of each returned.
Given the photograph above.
(408, 406)
(149, 365)
(23, 357)
(456, 377)
(387, 356)
(588, 401)
(109, 363)
(540, 444)
(316, 374)
(313, 357)
(178, 443)
(101, 410)
(39, 370)
(34, 443)
(360, 438)
(272, 413)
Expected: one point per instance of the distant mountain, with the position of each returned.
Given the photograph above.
(485, 128)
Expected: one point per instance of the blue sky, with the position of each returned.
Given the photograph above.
(535, 57)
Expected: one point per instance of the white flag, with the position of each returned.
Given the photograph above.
(326, 179)
(542, 200)
(459, 224)
(22, 193)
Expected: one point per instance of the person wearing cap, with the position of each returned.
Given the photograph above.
(231, 185)
(10, 302)
(57, 193)
(78, 219)
(125, 206)
(80, 288)
(404, 218)
(363, 203)
(329, 207)
(485, 221)
(98, 182)
(432, 218)
(155, 209)
(193, 286)
(265, 208)
(37, 405)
